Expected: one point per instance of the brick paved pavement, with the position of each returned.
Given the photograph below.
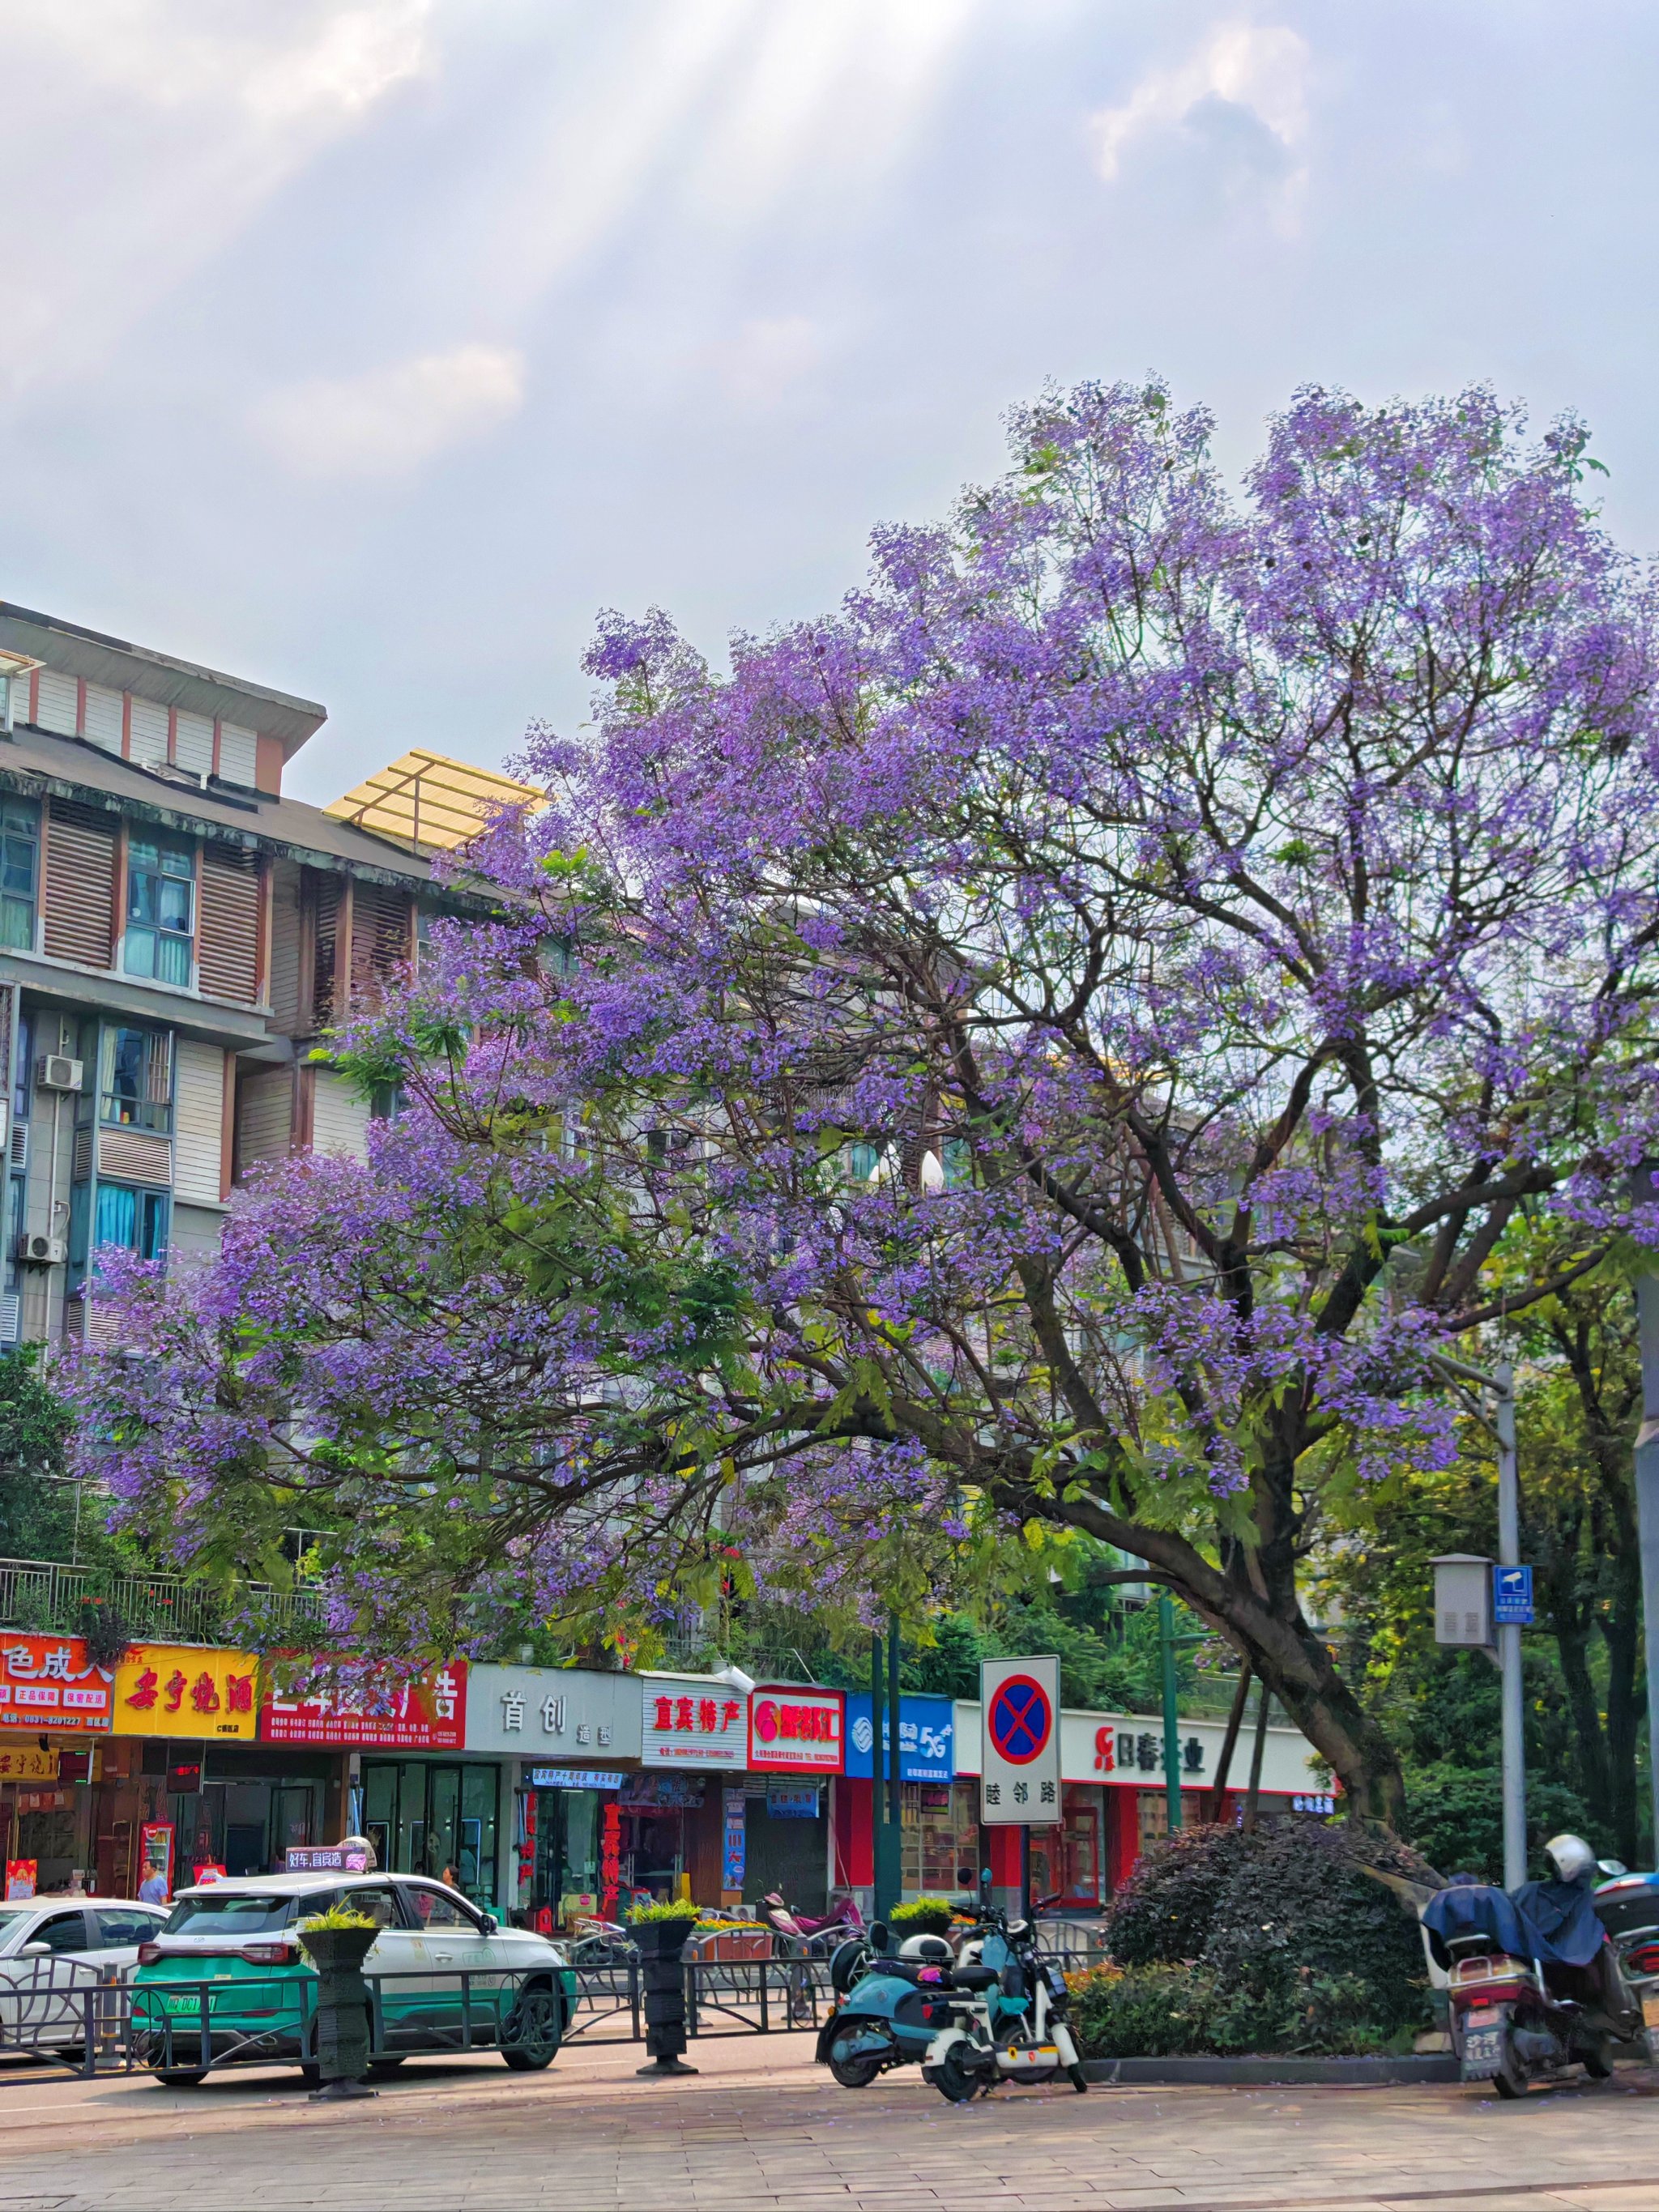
(764, 2130)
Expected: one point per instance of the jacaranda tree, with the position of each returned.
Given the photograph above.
(1050, 1048)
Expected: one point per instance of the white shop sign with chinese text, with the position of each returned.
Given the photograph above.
(1019, 1742)
(553, 1713)
(692, 1720)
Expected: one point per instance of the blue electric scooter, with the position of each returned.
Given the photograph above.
(889, 2004)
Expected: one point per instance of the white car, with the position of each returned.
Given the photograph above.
(447, 1975)
(53, 1950)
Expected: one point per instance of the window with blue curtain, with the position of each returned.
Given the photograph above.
(161, 931)
(135, 1219)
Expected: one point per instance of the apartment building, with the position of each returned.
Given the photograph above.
(175, 936)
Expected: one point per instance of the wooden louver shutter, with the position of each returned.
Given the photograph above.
(327, 931)
(79, 907)
(227, 934)
(379, 939)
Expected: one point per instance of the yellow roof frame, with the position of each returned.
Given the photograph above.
(429, 801)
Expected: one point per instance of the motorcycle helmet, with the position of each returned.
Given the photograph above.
(933, 1948)
(1571, 1857)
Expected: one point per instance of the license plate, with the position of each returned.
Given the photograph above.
(1650, 2011)
(1483, 2052)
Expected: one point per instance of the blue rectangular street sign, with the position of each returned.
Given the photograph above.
(1512, 1596)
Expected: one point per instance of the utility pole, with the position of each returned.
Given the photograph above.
(1501, 1383)
(1509, 1637)
(1166, 1652)
(1647, 1501)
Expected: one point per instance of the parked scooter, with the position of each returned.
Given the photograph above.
(890, 2004)
(816, 1935)
(1534, 1985)
(1627, 1906)
(1006, 2019)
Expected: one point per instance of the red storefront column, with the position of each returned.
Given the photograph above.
(1123, 1834)
(854, 1860)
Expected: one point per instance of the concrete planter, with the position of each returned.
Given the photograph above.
(339, 1954)
(662, 1974)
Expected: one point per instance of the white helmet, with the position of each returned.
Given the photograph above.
(1571, 1857)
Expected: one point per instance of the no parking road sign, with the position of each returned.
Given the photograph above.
(1019, 1746)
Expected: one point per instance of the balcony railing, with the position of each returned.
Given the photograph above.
(44, 1596)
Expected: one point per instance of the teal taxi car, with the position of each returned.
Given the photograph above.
(224, 1979)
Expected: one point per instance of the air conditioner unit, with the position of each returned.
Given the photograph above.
(37, 1251)
(55, 1071)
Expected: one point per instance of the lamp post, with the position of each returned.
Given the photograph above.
(1501, 1383)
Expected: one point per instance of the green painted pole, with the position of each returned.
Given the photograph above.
(1166, 1652)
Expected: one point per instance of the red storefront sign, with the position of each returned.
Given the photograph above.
(421, 1713)
(795, 1731)
(49, 1682)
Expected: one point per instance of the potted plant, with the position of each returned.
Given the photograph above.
(660, 1931)
(923, 1916)
(337, 1942)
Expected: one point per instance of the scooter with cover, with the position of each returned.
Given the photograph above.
(1533, 1982)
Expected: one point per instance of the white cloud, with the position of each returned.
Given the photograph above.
(388, 422)
(145, 135)
(1262, 68)
(279, 64)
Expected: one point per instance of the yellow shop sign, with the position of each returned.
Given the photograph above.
(27, 1762)
(182, 1690)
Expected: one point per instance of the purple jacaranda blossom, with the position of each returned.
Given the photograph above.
(1052, 1047)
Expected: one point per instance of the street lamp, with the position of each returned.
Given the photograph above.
(1642, 1185)
(1502, 1386)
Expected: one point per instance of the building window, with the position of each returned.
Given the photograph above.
(160, 910)
(20, 873)
(135, 1219)
(136, 1089)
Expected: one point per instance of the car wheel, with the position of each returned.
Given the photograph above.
(181, 2077)
(533, 2030)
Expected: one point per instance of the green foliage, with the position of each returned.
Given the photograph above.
(672, 1908)
(336, 1916)
(1171, 1902)
(1146, 2012)
(1288, 1941)
(1176, 2011)
(1454, 1816)
(922, 1916)
(37, 1504)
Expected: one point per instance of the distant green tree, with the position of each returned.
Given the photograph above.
(37, 1500)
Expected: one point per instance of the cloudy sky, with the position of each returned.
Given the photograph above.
(367, 347)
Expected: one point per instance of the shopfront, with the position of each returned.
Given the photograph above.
(797, 1752)
(56, 1712)
(398, 1739)
(694, 1747)
(568, 1740)
(938, 1815)
(1114, 1802)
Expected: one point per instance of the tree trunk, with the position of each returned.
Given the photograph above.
(1267, 1629)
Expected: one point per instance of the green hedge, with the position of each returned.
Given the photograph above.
(1280, 1941)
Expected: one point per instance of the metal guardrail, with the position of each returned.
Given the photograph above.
(93, 2023)
(47, 1596)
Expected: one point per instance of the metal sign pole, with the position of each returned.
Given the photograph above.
(1509, 1639)
(1647, 1509)
(1166, 1641)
